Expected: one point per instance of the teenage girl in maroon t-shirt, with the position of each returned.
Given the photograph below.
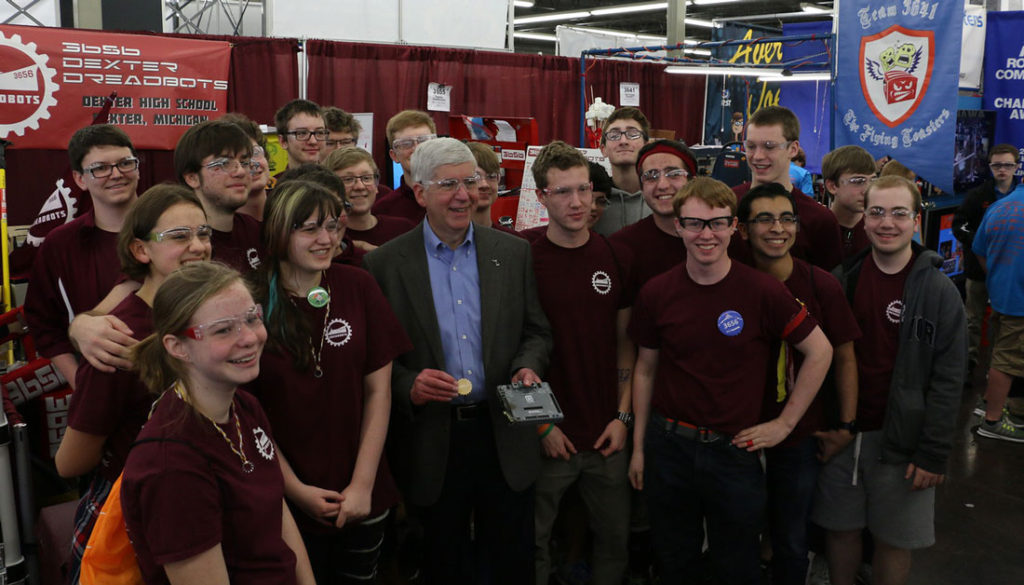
(164, 229)
(325, 381)
(202, 490)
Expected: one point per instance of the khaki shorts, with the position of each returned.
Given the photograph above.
(880, 499)
(1008, 346)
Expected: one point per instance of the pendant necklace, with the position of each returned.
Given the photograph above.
(247, 466)
(319, 297)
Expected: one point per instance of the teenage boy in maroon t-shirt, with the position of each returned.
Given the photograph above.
(705, 330)
(910, 367)
(581, 282)
(214, 158)
(664, 167)
(768, 222)
(302, 131)
(77, 263)
(848, 170)
(773, 139)
(405, 130)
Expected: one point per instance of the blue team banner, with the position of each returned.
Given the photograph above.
(1004, 75)
(896, 85)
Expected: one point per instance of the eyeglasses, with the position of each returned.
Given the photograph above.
(450, 185)
(182, 235)
(229, 165)
(560, 192)
(258, 152)
(228, 327)
(653, 175)
(616, 135)
(858, 180)
(368, 180)
(601, 202)
(407, 143)
(897, 214)
(104, 170)
(994, 166)
(697, 225)
(312, 228)
(303, 134)
(768, 146)
(340, 143)
(492, 176)
(768, 220)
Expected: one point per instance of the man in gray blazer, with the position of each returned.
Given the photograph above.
(468, 300)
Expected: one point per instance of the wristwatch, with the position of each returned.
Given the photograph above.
(849, 426)
(626, 418)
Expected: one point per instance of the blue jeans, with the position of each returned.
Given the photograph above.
(792, 474)
(687, 483)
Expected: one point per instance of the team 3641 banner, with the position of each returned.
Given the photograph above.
(52, 82)
(904, 57)
(1004, 77)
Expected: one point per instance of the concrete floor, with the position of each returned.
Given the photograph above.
(979, 515)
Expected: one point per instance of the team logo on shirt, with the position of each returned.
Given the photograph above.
(601, 282)
(337, 332)
(894, 311)
(263, 443)
(730, 323)
(253, 256)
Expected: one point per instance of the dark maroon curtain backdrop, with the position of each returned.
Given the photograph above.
(385, 79)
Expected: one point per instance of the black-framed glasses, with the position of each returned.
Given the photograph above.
(104, 170)
(182, 234)
(303, 134)
(407, 143)
(631, 133)
(471, 183)
(768, 220)
(368, 180)
(697, 225)
(653, 175)
(339, 143)
(311, 228)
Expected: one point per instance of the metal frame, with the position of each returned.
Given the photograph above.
(194, 24)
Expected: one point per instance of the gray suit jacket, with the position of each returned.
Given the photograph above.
(515, 334)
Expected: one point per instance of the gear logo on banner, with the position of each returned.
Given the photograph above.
(26, 86)
(896, 68)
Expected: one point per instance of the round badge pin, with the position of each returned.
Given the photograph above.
(730, 323)
(318, 297)
(465, 387)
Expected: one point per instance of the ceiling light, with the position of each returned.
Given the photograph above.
(628, 8)
(535, 36)
(808, 76)
(740, 71)
(523, 3)
(701, 22)
(814, 8)
(551, 17)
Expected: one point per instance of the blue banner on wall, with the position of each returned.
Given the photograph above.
(809, 100)
(1004, 75)
(897, 78)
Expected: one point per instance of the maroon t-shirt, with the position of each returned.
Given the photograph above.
(654, 251)
(878, 307)
(714, 343)
(240, 248)
(350, 255)
(400, 203)
(76, 267)
(114, 405)
(182, 500)
(533, 234)
(855, 239)
(825, 301)
(317, 421)
(817, 239)
(581, 291)
(387, 229)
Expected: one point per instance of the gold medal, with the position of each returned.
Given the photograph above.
(465, 387)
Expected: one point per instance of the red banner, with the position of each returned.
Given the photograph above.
(53, 81)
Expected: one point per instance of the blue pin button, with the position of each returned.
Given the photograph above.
(730, 323)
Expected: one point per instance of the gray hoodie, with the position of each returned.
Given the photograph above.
(623, 209)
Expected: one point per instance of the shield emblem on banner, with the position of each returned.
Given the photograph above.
(895, 69)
